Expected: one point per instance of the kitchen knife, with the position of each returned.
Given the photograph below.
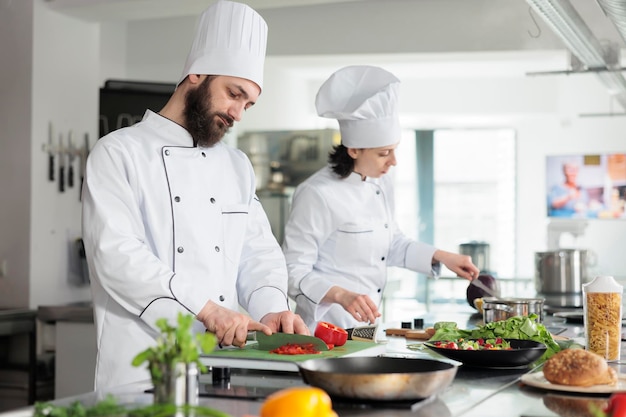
(71, 153)
(61, 164)
(486, 289)
(50, 153)
(279, 339)
(84, 153)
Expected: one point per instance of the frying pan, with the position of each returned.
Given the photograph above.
(378, 378)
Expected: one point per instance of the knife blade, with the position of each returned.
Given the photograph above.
(279, 339)
(61, 164)
(486, 289)
(50, 153)
(71, 154)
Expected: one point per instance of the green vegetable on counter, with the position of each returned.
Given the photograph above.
(519, 327)
(110, 408)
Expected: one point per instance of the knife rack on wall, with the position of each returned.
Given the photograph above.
(64, 157)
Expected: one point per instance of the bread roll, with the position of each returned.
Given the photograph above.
(578, 367)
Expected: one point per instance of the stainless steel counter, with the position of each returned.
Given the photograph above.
(474, 392)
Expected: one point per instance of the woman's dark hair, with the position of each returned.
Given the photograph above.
(341, 163)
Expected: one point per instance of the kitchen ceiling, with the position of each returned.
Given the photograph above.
(104, 10)
(474, 63)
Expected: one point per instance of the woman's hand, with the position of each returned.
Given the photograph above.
(360, 306)
(459, 264)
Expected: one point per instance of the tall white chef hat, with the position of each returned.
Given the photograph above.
(364, 100)
(231, 39)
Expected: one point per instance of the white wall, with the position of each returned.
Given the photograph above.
(64, 79)
(16, 28)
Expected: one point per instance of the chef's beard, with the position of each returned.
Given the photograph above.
(205, 126)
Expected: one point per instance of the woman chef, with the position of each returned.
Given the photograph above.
(341, 234)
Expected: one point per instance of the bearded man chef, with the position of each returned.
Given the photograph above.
(341, 234)
(171, 222)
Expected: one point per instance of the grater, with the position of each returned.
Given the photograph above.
(363, 333)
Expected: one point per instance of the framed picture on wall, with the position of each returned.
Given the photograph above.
(586, 186)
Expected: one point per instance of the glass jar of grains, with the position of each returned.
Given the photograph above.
(602, 307)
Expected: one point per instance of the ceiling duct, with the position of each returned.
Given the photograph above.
(567, 23)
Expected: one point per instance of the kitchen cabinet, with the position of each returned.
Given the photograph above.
(18, 358)
(74, 346)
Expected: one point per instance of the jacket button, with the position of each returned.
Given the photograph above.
(217, 249)
(386, 226)
(177, 199)
(212, 200)
(378, 290)
(203, 155)
(180, 249)
(382, 259)
(377, 192)
(167, 152)
(222, 298)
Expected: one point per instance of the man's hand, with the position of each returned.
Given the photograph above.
(459, 264)
(286, 322)
(360, 306)
(230, 327)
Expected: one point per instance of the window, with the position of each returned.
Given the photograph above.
(468, 196)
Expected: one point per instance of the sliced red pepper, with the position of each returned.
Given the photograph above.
(296, 349)
(331, 334)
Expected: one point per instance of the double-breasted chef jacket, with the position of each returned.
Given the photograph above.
(167, 227)
(343, 232)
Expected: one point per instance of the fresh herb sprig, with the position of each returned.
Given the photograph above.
(176, 344)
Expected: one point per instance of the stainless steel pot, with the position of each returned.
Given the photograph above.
(497, 309)
(561, 271)
(378, 378)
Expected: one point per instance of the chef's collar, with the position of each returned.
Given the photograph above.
(356, 178)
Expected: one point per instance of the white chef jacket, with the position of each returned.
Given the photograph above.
(343, 232)
(168, 226)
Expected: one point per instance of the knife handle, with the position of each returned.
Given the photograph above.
(61, 179)
(51, 167)
(70, 176)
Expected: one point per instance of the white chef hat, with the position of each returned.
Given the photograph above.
(230, 40)
(364, 100)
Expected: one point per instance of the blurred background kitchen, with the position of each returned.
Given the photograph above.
(490, 95)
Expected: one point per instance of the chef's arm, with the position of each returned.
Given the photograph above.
(119, 258)
(411, 254)
(459, 264)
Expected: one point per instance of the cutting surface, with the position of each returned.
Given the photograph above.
(251, 351)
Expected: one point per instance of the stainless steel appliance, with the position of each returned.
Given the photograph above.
(282, 160)
(479, 251)
(559, 275)
(285, 158)
(561, 271)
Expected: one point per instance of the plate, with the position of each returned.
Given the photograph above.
(537, 380)
(523, 353)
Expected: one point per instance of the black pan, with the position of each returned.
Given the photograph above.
(523, 353)
(378, 378)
